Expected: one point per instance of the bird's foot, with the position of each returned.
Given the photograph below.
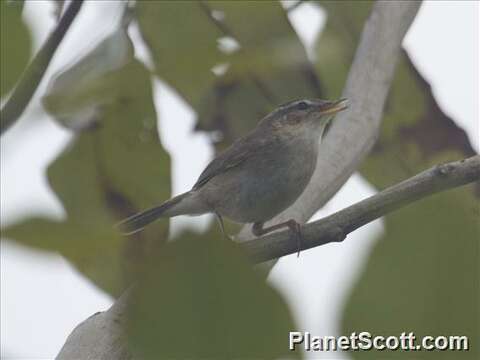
(297, 232)
(222, 227)
(295, 228)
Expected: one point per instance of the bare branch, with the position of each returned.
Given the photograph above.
(99, 337)
(33, 74)
(335, 227)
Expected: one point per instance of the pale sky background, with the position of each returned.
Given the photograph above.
(43, 298)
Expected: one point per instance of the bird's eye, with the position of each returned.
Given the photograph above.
(302, 105)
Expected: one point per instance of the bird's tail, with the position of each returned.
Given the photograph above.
(138, 221)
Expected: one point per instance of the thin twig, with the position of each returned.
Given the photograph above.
(335, 227)
(33, 74)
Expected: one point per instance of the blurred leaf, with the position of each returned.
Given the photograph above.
(270, 68)
(95, 250)
(268, 46)
(264, 64)
(183, 44)
(15, 44)
(75, 95)
(112, 169)
(200, 299)
(422, 275)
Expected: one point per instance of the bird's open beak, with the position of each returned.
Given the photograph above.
(335, 107)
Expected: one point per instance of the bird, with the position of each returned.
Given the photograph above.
(257, 177)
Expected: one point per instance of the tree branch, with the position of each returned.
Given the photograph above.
(335, 227)
(101, 336)
(33, 74)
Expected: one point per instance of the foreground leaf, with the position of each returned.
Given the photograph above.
(199, 298)
(110, 170)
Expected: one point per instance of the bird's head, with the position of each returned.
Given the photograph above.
(303, 116)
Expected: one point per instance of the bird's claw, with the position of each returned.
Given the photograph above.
(297, 230)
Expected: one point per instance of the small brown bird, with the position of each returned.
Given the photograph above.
(259, 175)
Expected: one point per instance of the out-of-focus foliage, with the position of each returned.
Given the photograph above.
(113, 168)
(265, 61)
(15, 44)
(421, 276)
(76, 95)
(183, 43)
(200, 299)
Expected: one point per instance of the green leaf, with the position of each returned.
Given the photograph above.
(422, 275)
(199, 298)
(76, 94)
(183, 42)
(270, 66)
(15, 44)
(95, 250)
(112, 169)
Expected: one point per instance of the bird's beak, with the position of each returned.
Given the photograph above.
(334, 107)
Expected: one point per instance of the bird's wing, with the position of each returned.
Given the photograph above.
(237, 153)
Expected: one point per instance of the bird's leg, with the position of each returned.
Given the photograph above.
(222, 226)
(259, 230)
